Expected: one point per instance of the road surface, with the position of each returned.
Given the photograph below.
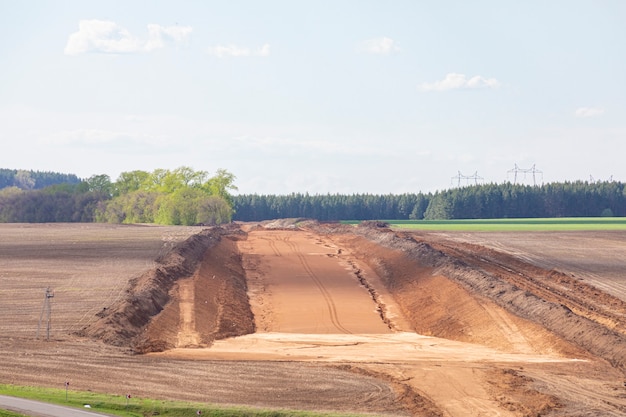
(41, 409)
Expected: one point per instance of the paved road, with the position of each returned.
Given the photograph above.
(40, 409)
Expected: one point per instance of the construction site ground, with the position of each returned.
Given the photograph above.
(299, 315)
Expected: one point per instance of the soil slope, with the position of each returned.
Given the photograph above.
(200, 277)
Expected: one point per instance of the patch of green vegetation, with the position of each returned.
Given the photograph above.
(120, 405)
(503, 225)
(4, 413)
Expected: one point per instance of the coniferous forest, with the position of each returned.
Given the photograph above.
(185, 196)
(490, 201)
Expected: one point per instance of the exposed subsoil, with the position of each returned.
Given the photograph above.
(298, 314)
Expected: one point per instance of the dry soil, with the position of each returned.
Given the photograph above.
(301, 315)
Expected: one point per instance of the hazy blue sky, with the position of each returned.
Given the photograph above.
(316, 96)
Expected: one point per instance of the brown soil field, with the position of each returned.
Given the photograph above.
(300, 315)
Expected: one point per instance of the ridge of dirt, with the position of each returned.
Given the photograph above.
(216, 294)
(509, 289)
(415, 403)
(153, 296)
(550, 284)
(514, 392)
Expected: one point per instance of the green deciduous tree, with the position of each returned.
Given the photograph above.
(221, 184)
(128, 182)
(181, 196)
(100, 184)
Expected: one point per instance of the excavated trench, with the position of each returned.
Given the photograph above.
(198, 294)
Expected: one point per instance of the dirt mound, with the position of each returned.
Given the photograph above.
(285, 224)
(539, 304)
(145, 319)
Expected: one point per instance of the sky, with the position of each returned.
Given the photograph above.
(342, 96)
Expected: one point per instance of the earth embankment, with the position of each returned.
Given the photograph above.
(199, 277)
(555, 306)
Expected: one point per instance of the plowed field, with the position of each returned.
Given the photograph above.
(320, 317)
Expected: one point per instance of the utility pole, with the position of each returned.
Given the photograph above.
(47, 310)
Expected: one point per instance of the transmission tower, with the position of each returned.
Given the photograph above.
(47, 311)
(467, 178)
(592, 179)
(518, 170)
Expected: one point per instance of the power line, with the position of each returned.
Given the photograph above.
(592, 180)
(517, 170)
(468, 178)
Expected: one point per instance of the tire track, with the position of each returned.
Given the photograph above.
(273, 246)
(332, 308)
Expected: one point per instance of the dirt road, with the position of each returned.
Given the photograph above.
(301, 284)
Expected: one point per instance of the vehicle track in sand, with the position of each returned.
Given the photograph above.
(301, 277)
(328, 299)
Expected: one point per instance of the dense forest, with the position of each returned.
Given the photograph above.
(184, 196)
(569, 199)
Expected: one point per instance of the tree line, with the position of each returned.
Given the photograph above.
(488, 201)
(493, 201)
(33, 180)
(181, 196)
(330, 207)
(184, 196)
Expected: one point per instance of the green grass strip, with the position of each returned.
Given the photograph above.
(504, 225)
(4, 413)
(140, 407)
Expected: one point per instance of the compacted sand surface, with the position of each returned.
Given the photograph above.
(301, 315)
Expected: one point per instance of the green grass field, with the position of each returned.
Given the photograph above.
(517, 225)
(139, 407)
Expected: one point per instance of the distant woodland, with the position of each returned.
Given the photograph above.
(186, 197)
(490, 201)
(179, 197)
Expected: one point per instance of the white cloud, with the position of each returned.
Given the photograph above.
(379, 46)
(588, 112)
(221, 51)
(159, 35)
(108, 37)
(454, 81)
